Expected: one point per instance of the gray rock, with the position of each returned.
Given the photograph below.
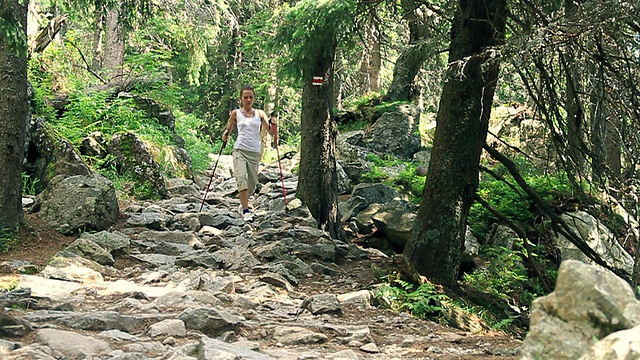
(210, 321)
(81, 202)
(169, 327)
(587, 304)
(72, 344)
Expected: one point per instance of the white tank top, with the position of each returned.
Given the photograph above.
(248, 131)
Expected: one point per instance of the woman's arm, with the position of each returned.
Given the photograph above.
(266, 122)
(230, 125)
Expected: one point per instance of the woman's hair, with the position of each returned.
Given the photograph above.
(247, 87)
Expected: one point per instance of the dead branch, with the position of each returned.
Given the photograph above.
(46, 35)
(557, 224)
(523, 235)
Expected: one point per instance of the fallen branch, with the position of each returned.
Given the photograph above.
(46, 35)
(521, 234)
(557, 224)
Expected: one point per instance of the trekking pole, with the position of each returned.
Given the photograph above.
(274, 130)
(224, 143)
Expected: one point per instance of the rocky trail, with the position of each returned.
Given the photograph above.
(170, 282)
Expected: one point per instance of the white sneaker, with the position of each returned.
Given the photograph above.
(247, 216)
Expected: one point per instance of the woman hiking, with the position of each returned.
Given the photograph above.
(247, 148)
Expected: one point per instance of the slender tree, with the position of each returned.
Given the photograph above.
(462, 124)
(421, 43)
(312, 30)
(13, 109)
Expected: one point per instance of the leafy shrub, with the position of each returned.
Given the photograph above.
(29, 184)
(422, 302)
(515, 205)
(502, 276)
(189, 127)
(8, 239)
(41, 81)
(406, 181)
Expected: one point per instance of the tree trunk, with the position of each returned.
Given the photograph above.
(576, 122)
(613, 147)
(14, 109)
(405, 71)
(462, 125)
(338, 66)
(318, 181)
(114, 45)
(410, 60)
(98, 37)
(371, 59)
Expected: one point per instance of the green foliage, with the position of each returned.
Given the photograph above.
(42, 82)
(515, 205)
(374, 175)
(86, 113)
(29, 184)
(362, 100)
(378, 110)
(182, 47)
(423, 302)
(413, 184)
(406, 181)
(503, 279)
(8, 239)
(189, 127)
(503, 276)
(310, 28)
(353, 125)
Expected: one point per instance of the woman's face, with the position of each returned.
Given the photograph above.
(247, 98)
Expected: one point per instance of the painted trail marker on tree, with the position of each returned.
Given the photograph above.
(318, 80)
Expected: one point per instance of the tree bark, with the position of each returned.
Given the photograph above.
(14, 109)
(410, 60)
(114, 39)
(318, 181)
(98, 37)
(462, 125)
(371, 59)
(576, 122)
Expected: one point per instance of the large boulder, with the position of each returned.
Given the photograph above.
(395, 221)
(588, 304)
(80, 203)
(516, 129)
(152, 109)
(598, 237)
(134, 157)
(48, 156)
(395, 132)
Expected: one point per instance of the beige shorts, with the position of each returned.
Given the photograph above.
(245, 167)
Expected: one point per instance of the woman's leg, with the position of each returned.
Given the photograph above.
(244, 198)
(240, 172)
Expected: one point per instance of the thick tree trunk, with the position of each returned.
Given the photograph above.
(318, 182)
(14, 109)
(410, 60)
(114, 38)
(462, 125)
(405, 71)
